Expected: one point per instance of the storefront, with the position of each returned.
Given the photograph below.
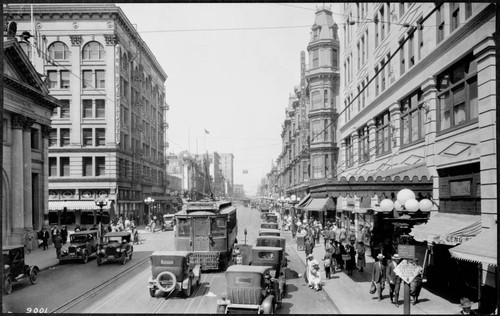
(320, 209)
(81, 212)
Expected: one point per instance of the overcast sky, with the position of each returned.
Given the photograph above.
(231, 68)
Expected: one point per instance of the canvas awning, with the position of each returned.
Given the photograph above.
(320, 204)
(448, 228)
(305, 200)
(75, 205)
(480, 249)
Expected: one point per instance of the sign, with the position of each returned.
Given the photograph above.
(406, 251)
(460, 188)
(407, 270)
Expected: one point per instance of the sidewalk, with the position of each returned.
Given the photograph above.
(351, 293)
(46, 259)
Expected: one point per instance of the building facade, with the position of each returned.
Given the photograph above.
(27, 107)
(108, 140)
(227, 168)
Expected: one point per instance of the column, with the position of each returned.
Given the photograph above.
(372, 141)
(395, 118)
(76, 90)
(28, 194)
(17, 193)
(44, 212)
(355, 147)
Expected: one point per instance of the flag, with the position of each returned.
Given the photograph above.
(245, 171)
(206, 132)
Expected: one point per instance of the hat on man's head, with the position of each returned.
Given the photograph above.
(395, 257)
(465, 302)
(310, 256)
(380, 256)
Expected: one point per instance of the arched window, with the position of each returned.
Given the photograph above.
(58, 51)
(27, 49)
(93, 51)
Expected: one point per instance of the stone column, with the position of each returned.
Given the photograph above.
(17, 192)
(372, 141)
(395, 118)
(44, 212)
(28, 194)
(355, 147)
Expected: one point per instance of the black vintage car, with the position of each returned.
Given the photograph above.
(83, 244)
(14, 268)
(116, 246)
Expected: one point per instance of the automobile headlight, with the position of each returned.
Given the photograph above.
(78, 249)
(6, 266)
(118, 250)
(64, 250)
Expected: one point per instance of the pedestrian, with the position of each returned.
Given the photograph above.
(307, 273)
(350, 263)
(340, 258)
(64, 234)
(294, 228)
(361, 263)
(333, 249)
(308, 246)
(326, 236)
(327, 262)
(393, 279)
(416, 284)
(342, 235)
(466, 305)
(77, 228)
(29, 241)
(315, 276)
(58, 244)
(54, 232)
(45, 238)
(378, 275)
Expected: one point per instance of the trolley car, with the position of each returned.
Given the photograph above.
(208, 229)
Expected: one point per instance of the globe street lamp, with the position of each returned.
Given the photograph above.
(148, 201)
(100, 202)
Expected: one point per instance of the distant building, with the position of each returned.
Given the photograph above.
(227, 167)
(239, 191)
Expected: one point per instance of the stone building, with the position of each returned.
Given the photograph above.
(27, 108)
(107, 141)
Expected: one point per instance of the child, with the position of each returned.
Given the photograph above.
(327, 262)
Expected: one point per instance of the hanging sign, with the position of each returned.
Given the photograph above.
(407, 270)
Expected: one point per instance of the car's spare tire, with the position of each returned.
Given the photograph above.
(166, 277)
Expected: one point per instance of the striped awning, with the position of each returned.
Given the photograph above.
(320, 204)
(480, 249)
(448, 228)
(75, 205)
(305, 200)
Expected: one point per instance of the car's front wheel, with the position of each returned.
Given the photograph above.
(33, 276)
(85, 257)
(7, 286)
(187, 291)
(124, 258)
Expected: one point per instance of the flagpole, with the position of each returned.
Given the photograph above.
(189, 139)
(32, 32)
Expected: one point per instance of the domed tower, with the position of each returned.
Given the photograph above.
(323, 83)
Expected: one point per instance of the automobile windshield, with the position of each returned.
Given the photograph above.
(5, 258)
(80, 238)
(184, 229)
(115, 239)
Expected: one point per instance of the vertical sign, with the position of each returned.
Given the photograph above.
(117, 93)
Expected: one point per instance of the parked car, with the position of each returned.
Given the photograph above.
(250, 289)
(264, 209)
(271, 218)
(15, 269)
(168, 222)
(269, 226)
(116, 246)
(269, 232)
(271, 241)
(83, 244)
(273, 257)
(172, 270)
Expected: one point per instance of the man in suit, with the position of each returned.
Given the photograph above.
(393, 279)
(378, 275)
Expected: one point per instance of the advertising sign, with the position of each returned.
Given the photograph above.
(407, 270)
(406, 251)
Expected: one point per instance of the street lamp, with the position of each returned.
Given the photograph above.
(148, 201)
(100, 202)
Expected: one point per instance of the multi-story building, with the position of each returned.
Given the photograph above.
(227, 168)
(27, 107)
(419, 91)
(239, 191)
(108, 139)
(217, 184)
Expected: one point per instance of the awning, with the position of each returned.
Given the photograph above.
(306, 200)
(75, 205)
(320, 204)
(448, 228)
(480, 249)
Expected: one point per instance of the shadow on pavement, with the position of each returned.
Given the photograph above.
(290, 288)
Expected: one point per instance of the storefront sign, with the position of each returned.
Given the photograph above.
(460, 188)
(407, 270)
(406, 251)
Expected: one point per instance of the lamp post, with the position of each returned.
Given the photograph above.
(148, 201)
(101, 203)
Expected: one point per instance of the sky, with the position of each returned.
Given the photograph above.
(231, 69)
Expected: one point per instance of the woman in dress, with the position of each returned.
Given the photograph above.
(350, 263)
(361, 256)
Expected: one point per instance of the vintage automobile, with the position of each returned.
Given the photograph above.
(271, 218)
(271, 241)
(273, 257)
(83, 244)
(171, 270)
(269, 232)
(14, 268)
(168, 222)
(116, 246)
(250, 289)
(269, 225)
(264, 209)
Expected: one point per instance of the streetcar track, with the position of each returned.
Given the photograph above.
(100, 287)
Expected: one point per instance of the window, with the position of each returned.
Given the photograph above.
(363, 56)
(317, 166)
(87, 79)
(363, 95)
(382, 23)
(349, 159)
(64, 167)
(457, 94)
(325, 130)
(100, 108)
(401, 9)
(27, 50)
(87, 166)
(326, 165)
(412, 118)
(420, 38)
(316, 130)
(382, 75)
(315, 58)
(64, 137)
(325, 99)
(52, 166)
(362, 10)
(93, 51)
(100, 166)
(455, 16)
(99, 79)
(376, 21)
(359, 99)
(35, 138)
(383, 133)
(315, 100)
(87, 108)
(305, 174)
(335, 58)
(100, 136)
(87, 137)
(440, 24)
(65, 109)
(58, 51)
(358, 55)
(411, 53)
(402, 58)
(364, 144)
(388, 18)
(52, 79)
(468, 10)
(376, 80)
(53, 137)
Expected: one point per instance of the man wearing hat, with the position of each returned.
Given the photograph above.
(466, 305)
(393, 279)
(378, 275)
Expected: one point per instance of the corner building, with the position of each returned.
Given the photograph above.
(419, 97)
(108, 140)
